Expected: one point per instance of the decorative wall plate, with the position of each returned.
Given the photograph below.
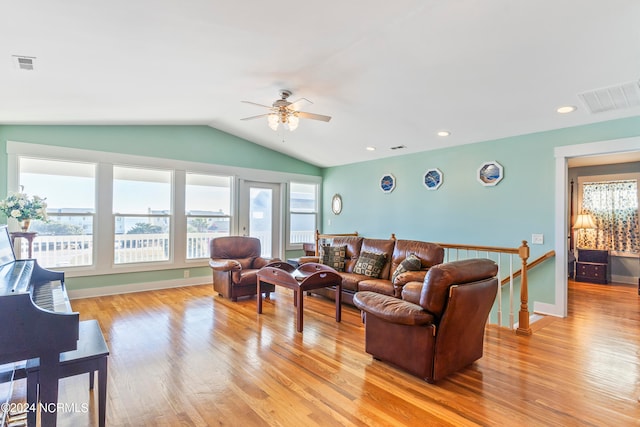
(490, 173)
(432, 179)
(387, 183)
(336, 204)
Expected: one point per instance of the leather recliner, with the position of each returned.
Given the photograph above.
(437, 328)
(235, 261)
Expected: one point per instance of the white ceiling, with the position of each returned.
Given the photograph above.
(388, 72)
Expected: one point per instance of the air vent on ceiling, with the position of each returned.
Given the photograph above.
(625, 95)
(24, 62)
(398, 147)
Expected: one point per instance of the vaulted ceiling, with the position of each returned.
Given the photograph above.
(390, 73)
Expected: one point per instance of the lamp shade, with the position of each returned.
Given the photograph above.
(584, 221)
(273, 121)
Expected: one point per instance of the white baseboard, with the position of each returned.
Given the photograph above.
(137, 287)
(627, 280)
(548, 309)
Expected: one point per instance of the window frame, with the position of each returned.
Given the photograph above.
(50, 214)
(188, 215)
(316, 212)
(587, 179)
(104, 223)
(170, 215)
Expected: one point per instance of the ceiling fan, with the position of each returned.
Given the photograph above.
(285, 112)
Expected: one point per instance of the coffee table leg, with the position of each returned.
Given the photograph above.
(299, 298)
(259, 297)
(338, 302)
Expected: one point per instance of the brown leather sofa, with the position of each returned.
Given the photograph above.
(429, 254)
(437, 327)
(235, 261)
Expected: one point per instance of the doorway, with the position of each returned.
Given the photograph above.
(259, 215)
(562, 155)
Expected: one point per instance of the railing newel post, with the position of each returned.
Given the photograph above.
(523, 316)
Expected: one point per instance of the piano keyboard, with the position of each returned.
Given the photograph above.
(50, 296)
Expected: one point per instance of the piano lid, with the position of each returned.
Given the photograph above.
(11, 272)
(6, 249)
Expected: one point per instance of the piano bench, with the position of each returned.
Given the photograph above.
(90, 356)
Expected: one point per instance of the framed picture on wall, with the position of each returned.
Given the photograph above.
(387, 183)
(432, 179)
(490, 173)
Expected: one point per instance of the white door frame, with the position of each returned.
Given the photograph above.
(276, 213)
(562, 154)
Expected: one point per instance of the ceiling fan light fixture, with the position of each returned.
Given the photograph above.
(285, 113)
(273, 120)
(293, 122)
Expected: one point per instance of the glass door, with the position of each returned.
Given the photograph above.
(260, 215)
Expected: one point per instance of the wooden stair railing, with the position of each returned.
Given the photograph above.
(524, 327)
(319, 236)
(537, 261)
(522, 251)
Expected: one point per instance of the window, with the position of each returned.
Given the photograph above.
(142, 214)
(613, 206)
(208, 210)
(114, 213)
(303, 212)
(66, 240)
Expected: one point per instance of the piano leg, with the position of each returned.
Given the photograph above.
(48, 377)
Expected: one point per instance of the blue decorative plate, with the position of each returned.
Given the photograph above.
(490, 173)
(387, 183)
(433, 179)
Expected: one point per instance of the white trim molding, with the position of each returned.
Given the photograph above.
(562, 154)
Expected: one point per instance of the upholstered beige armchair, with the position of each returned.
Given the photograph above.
(235, 260)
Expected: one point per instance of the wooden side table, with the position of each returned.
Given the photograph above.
(29, 235)
(307, 277)
(593, 266)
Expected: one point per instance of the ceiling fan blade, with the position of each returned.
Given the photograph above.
(313, 116)
(255, 117)
(255, 103)
(297, 103)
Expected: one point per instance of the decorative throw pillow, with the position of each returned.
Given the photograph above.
(333, 256)
(410, 263)
(370, 264)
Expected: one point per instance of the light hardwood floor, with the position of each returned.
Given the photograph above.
(184, 357)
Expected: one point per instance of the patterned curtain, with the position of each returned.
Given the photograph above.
(614, 207)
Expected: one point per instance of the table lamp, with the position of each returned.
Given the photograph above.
(583, 222)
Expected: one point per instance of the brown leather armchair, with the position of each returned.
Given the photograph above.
(235, 260)
(437, 328)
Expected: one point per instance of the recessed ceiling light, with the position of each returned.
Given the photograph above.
(566, 109)
(444, 133)
(371, 148)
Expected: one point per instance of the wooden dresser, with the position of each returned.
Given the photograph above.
(593, 266)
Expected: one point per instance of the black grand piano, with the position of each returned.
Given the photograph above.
(36, 321)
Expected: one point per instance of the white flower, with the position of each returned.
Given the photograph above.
(16, 213)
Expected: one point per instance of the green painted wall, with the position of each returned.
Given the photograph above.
(462, 210)
(188, 143)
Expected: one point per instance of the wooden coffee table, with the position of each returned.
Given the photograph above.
(305, 278)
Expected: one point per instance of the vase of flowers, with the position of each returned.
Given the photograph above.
(23, 208)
